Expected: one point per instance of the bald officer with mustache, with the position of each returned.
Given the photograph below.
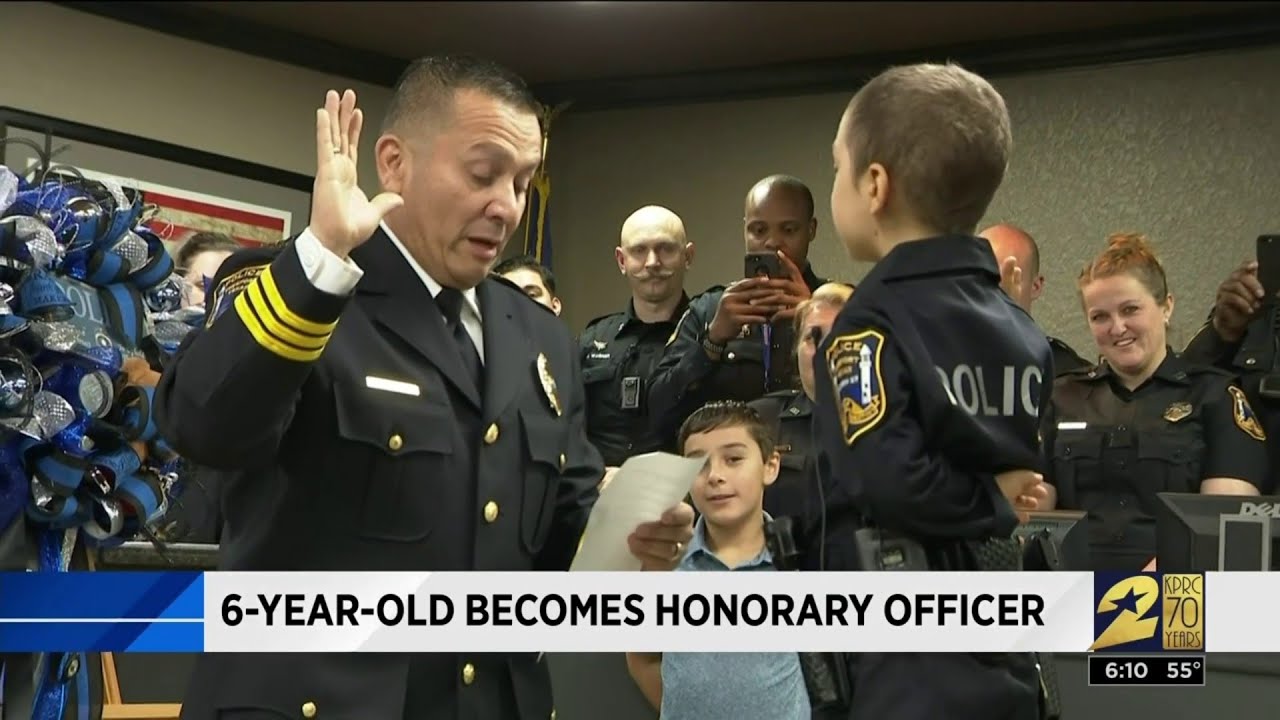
(621, 350)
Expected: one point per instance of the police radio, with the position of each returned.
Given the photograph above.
(826, 674)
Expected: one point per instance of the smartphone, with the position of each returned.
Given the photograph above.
(764, 264)
(1269, 263)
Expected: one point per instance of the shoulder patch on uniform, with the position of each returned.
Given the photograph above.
(853, 359)
(1244, 416)
(226, 288)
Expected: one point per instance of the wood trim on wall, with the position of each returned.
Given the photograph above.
(1251, 28)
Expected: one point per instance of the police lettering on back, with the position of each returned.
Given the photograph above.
(1006, 392)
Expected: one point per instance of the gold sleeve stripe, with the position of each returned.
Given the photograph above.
(266, 313)
(265, 339)
(276, 301)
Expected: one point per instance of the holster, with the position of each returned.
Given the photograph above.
(826, 674)
(879, 550)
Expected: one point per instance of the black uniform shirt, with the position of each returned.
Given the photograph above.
(928, 385)
(1114, 449)
(687, 378)
(619, 354)
(1251, 360)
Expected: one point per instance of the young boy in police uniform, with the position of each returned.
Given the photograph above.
(929, 383)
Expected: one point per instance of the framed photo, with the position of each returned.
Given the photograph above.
(193, 190)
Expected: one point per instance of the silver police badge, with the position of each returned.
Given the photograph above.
(854, 363)
(549, 384)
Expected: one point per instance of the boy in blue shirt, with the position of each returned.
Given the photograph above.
(729, 535)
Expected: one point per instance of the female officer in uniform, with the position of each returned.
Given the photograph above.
(790, 412)
(1143, 421)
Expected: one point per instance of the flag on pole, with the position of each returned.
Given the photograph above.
(537, 229)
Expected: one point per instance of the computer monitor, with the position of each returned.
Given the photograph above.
(1203, 533)
(1068, 530)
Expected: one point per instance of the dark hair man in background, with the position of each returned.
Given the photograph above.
(533, 277)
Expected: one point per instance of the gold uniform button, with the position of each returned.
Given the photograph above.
(490, 511)
(468, 674)
(491, 435)
(308, 709)
(396, 442)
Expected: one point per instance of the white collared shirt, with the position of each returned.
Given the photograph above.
(331, 274)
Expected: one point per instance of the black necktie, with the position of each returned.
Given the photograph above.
(450, 302)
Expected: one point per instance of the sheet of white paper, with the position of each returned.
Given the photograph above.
(643, 488)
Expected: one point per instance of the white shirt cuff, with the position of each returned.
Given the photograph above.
(327, 272)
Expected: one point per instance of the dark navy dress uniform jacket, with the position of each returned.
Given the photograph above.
(328, 472)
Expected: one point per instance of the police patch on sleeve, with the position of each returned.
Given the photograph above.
(1243, 414)
(854, 363)
(228, 288)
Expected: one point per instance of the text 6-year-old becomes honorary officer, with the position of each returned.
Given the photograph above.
(929, 383)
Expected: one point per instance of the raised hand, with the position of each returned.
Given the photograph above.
(342, 217)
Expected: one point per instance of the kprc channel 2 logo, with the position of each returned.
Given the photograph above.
(1148, 612)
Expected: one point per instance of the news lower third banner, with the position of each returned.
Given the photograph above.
(642, 612)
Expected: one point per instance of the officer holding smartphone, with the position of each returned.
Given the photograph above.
(737, 342)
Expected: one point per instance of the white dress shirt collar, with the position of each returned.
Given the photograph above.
(434, 287)
(472, 321)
